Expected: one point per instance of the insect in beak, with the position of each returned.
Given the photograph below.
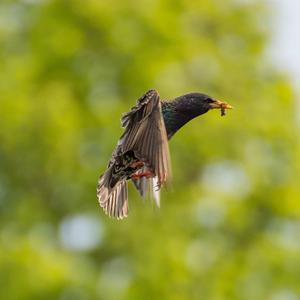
(220, 105)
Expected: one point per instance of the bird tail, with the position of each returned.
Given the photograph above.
(113, 200)
(147, 186)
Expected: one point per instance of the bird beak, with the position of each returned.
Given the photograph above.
(219, 104)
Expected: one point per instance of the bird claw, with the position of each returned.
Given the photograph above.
(147, 174)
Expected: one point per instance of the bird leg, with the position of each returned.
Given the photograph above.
(142, 174)
(137, 164)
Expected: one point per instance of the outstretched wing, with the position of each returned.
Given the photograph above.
(145, 134)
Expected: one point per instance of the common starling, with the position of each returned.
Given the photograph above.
(142, 152)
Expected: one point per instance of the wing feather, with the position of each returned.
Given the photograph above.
(113, 201)
(145, 134)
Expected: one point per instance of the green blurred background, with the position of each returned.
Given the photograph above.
(228, 229)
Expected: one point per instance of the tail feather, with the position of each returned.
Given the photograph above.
(147, 185)
(114, 201)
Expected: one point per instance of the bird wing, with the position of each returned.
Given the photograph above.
(145, 134)
(114, 201)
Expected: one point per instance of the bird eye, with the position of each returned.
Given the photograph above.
(209, 100)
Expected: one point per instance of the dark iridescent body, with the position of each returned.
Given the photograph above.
(142, 152)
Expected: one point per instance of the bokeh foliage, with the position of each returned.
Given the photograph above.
(228, 228)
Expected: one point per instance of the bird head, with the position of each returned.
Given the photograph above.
(217, 104)
(199, 103)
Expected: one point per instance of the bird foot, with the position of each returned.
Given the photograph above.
(146, 174)
(137, 164)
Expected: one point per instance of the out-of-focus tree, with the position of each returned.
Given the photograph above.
(228, 229)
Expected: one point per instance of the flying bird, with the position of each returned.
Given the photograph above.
(142, 153)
